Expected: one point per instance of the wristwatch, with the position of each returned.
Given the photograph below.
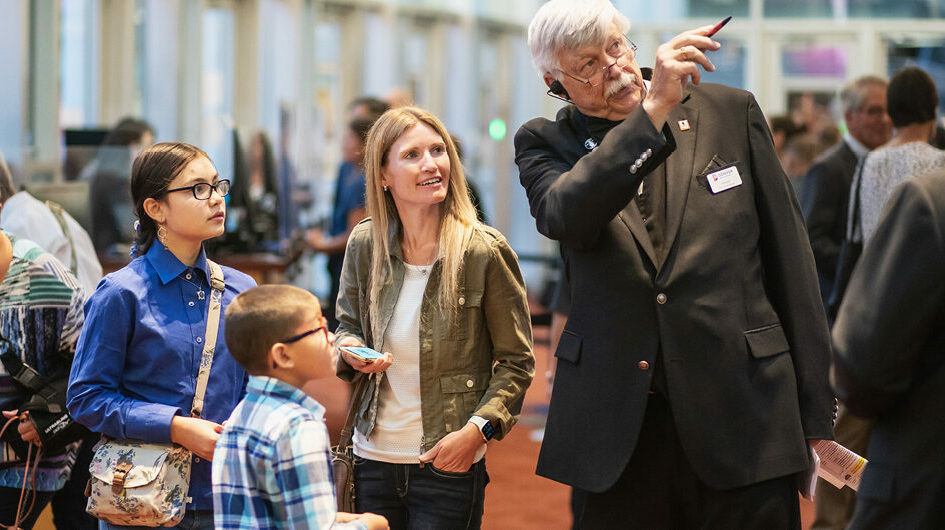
(485, 427)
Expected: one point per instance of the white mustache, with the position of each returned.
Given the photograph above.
(626, 79)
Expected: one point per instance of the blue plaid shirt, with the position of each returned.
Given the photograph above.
(272, 466)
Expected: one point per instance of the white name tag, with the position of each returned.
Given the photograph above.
(724, 179)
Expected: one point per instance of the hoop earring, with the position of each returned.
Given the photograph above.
(162, 234)
(384, 187)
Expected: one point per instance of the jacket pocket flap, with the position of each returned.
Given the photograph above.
(457, 383)
(878, 484)
(471, 299)
(767, 341)
(569, 347)
(147, 460)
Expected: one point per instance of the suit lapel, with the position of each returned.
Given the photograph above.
(679, 170)
(631, 217)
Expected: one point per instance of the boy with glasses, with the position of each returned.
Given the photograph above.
(272, 465)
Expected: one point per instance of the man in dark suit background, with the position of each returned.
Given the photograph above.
(693, 365)
(824, 200)
(825, 193)
(890, 359)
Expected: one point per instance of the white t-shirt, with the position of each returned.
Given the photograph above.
(28, 218)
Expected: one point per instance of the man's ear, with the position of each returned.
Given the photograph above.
(548, 78)
(155, 209)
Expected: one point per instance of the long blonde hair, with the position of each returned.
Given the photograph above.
(457, 214)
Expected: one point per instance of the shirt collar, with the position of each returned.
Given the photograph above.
(169, 267)
(858, 149)
(270, 386)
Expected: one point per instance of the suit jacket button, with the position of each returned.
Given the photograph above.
(643, 365)
(661, 298)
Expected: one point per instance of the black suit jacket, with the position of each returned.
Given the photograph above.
(734, 306)
(825, 199)
(890, 359)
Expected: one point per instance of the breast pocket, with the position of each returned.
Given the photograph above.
(468, 316)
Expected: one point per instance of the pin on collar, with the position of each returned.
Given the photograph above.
(590, 144)
(683, 125)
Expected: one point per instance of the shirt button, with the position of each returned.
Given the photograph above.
(191, 304)
(462, 300)
(189, 276)
(196, 459)
(643, 365)
(199, 339)
(469, 383)
(661, 298)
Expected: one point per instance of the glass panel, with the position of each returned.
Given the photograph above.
(814, 60)
(928, 55)
(897, 8)
(801, 8)
(79, 64)
(729, 63)
(217, 89)
(718, 8)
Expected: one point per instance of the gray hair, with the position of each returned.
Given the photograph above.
(854, 92)
(568, 24)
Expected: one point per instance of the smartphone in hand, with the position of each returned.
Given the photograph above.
(362, 353)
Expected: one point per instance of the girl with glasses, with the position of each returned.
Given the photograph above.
(136, 363)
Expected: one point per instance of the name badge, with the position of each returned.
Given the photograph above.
(724, 179)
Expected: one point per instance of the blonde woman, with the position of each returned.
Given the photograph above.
(442, 295)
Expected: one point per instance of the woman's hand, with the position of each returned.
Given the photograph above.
(369, 367)
(25, 427)
(197, 435)
(455, 451)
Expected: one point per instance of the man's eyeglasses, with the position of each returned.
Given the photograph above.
(592, 72)
(300, 336)
(202, 191)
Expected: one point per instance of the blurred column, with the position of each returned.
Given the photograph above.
(117, 60)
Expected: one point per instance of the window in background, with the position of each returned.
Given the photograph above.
(157, 72)
(79, 66)
(927, 54)
(217, 89)
(416, 74)
(802, 8)
(718, 8)
(814, 60)
(897, 8)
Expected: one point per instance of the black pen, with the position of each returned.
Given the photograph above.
(718, 26)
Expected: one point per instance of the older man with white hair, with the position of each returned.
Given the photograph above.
(693, 368)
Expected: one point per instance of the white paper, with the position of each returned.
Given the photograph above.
(839, 465)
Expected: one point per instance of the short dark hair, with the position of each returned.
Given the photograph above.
(374, 106)
(911, 97)
(6, 181)
(260, 317)
(128, 131)
(361, 127)
(153, 170)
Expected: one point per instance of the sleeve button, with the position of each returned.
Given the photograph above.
(643, 365)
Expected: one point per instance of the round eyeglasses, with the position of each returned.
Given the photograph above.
(592, 72)
(202, 191)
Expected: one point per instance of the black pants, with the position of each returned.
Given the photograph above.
(659, 489)
(10, 497)
(68, 505)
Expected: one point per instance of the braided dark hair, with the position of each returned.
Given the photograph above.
(153, 170)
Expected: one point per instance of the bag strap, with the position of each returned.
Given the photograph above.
(57, 213)
(853, 221)
(210, 340)
(357, 396)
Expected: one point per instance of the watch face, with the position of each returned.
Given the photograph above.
(488, 431)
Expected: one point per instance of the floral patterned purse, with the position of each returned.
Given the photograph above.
(137, 483)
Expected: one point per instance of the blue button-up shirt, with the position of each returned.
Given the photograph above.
(272, 467)
(136, 363)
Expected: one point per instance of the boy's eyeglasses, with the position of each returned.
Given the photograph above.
(302, 335)
(202, 191)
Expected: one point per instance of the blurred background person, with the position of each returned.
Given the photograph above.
(367, 107)
(348, 209)
(825, 192)
(888, 366)
(108, 175)
(912, 103)
(783, 130)
(796, 158)
(253, 222)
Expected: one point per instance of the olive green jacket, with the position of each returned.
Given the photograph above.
(480, 365)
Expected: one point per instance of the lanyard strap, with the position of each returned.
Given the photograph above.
(210, 340)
